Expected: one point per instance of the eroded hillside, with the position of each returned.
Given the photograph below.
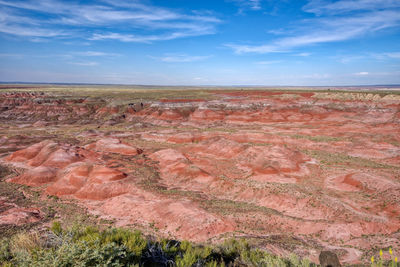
(291, 171)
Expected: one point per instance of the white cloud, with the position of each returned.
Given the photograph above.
(362, 73)
(89, 63)
(350, 58)
(305, 54)
(320, 7)
(248, 4)
(139, 38)
(261, 49)
(255, 4)
(96, 54)
(29, 31)
(268, 62)
(181, 58)
(89, 21)
(327, 29)
(385, 55)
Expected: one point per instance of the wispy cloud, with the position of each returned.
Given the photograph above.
(180, 58)
(247, 4)
(330, 28)
(304, 54)
(88, 63)
(29, 31)
(95, 54)
(385, 55)
(362, 73)
(140, 22)
(321, 7)
(268, 62)
(143, 38)
(255, 4)
(350, 58)
(395, 55)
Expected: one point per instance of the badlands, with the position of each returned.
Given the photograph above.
(292, 171)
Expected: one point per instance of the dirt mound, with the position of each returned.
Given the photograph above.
(88, 181)
(272, 160)
(46, 153)
(20, 216)
(11, 213)
(36, 176)
(112, 145)
(29, 152)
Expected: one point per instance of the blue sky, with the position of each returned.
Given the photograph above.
(201, 42)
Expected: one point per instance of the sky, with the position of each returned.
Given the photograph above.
(201, 42)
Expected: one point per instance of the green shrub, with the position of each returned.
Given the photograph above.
(170, 247)
(269, 260)
(90, 235)
(56, 228)
(89, 246)
(79, 254)
(188, 259)
(133, 241)
(190, 255)
(215, 264)
(5, 253)
(233, 249)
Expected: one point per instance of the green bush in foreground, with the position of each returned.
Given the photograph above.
(89, 246)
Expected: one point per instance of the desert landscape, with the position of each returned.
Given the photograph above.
(291, 170)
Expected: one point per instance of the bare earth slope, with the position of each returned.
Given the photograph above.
(292, 171)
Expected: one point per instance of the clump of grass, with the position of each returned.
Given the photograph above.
(24, 242)
(56, 228)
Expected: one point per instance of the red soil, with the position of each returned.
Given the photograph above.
(181, 100)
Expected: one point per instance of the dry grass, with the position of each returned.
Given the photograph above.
(25, 242)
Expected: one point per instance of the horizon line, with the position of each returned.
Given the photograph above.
(205, 85)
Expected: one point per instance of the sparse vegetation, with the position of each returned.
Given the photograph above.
(341, 159)
(89, 246)
(319, 138)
